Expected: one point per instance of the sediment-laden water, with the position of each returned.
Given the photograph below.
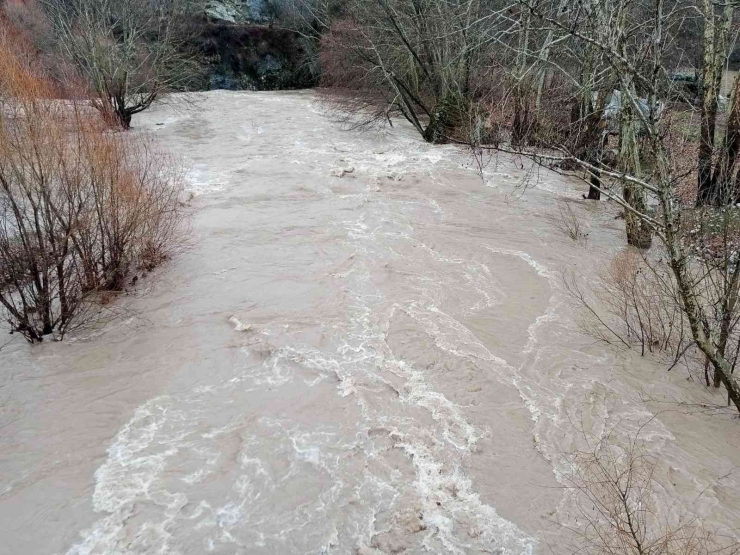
(365, 349)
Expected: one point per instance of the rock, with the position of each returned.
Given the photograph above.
(248, 56)
(237, 11)
(238, 325)
(222, 10)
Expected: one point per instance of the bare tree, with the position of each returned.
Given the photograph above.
(633, 45)
(716, 20)
(421, 60)
(131, 52)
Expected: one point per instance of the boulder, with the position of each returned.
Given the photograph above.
(236, 11)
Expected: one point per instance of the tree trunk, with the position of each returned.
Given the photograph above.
(704, 193)
(728, 312)
(586, 127)
(724, 172)
(722, 368)
(444, 119)
(521, 124)
(715, 42)
(708, 98)
(124, 119)
(638, 232)
(544, 59)
(594, 190)
(694, 313)
(522, 117)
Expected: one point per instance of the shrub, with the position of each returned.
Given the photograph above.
(619, 507)
(81, 208)
(633, 302)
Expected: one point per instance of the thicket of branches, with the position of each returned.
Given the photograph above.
(595, 89)
(619, 509)
(635, 302)
(128, 53)
(82, 209)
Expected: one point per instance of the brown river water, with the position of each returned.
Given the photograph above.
(366, 348)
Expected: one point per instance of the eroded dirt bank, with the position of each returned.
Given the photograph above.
(365, 350)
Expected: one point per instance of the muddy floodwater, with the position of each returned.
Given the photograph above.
(365, 348)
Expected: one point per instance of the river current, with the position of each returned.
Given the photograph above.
(365, 348)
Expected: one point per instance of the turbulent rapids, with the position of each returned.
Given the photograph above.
(366, 348)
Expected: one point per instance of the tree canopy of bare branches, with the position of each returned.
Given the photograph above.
(423, 60)
(130, 52)
(588, 89)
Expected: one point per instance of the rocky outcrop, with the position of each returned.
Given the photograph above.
(250, 56)
(240, 49)
(237, 11)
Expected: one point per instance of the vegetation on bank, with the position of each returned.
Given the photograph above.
(132, 53)
(590, 90)
(82, 209)
(584, 89)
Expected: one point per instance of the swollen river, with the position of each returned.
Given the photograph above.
(365, 348)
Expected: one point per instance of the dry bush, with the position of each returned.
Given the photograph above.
(619, 510)
(643, 296)
(634, 302)
(566, 221)
(81, 208)
(28, 18)
(136, 192)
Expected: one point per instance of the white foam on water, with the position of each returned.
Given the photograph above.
(550, 315)
(540, 268)
(436, 481)
(130, 473)
(202, 180)
(343, 468)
